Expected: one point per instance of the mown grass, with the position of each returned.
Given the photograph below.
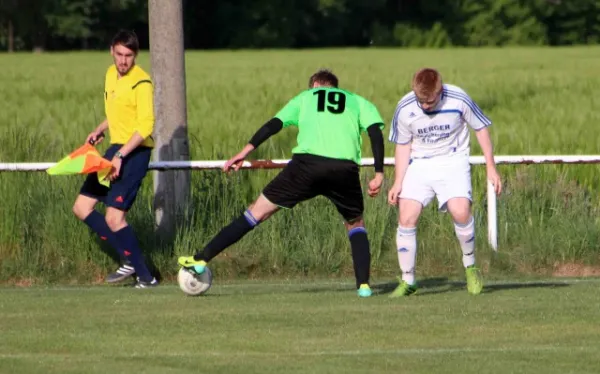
(532, 327)
(542, 101)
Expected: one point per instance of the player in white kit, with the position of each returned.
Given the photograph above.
(431, 131)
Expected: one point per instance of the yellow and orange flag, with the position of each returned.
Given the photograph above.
(84, 160)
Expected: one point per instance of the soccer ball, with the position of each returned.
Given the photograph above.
(193, 284)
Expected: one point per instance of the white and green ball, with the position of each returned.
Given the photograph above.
(192, 283)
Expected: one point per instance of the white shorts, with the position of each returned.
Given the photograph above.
(444, 177)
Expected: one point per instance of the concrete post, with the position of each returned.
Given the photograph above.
(171, 188)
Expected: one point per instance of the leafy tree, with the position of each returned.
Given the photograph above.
(74, 24)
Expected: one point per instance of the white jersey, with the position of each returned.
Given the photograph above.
(442, 130)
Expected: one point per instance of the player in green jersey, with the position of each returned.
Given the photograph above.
(325, 162)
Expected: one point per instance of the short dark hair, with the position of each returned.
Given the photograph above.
(127, 39)
(325, 77)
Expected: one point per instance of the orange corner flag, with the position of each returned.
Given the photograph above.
(84, 160)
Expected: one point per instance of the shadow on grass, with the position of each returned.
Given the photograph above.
(440, 285)
(385, 288)
(512, 286)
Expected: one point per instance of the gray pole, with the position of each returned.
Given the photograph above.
(171, 188)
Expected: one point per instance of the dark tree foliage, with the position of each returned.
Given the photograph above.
(231, 24)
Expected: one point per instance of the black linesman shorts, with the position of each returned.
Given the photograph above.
(307, 176)
(124, 189)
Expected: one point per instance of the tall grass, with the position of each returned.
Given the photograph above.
(542, 101)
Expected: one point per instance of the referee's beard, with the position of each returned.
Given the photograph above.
(123, 69)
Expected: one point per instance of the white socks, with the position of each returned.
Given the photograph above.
(406, 244)
(466, 237)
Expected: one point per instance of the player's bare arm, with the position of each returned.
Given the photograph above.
(377, 147)
(236, 161)
(401, 160)
(272, 127)
(485, 142)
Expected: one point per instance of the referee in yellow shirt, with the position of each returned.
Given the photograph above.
(128, 103)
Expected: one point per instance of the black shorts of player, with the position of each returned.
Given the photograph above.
(124, 189)
(307, 176)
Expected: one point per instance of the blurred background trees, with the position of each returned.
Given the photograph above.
(231, 24)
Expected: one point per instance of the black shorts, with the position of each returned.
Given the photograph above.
(124, 189)
(307, 176)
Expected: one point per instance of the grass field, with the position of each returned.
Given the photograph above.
(293, 326)
(542, 101)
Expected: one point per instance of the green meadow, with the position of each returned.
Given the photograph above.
(542, 101)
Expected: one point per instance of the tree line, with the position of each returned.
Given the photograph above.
(230, 24)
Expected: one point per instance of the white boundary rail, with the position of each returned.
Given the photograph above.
(492, 214)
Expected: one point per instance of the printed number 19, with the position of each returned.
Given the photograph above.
(336, 101)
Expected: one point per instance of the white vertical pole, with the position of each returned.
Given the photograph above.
(492, 216)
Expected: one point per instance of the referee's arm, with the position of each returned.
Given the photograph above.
(144, 123)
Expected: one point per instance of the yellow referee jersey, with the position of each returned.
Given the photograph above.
(128, 105)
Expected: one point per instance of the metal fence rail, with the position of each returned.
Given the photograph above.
(492, 214)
